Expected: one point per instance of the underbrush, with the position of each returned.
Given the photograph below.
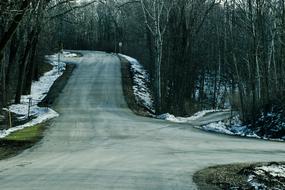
(271, 125)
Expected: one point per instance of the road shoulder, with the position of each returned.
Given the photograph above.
(127, 85)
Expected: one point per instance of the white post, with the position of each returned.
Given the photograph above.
(29, 107)
(120, 46)
(58, 62)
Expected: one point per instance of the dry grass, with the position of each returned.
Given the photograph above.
(18, 141)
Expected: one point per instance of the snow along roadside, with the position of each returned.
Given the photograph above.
(39, 91)
(198, 115)
(141, 80)
(235, 127)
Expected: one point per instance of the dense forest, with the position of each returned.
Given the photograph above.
(200, 53)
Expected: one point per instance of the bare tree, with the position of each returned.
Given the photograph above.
(156, 15)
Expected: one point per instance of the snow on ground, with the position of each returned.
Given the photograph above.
(65, 54)
(69, 54)
(230, 127)
(198, 115)
(273, 170)
(235, 127)
(39, 90)
(218, 127)
(270, 177)
(141, 83)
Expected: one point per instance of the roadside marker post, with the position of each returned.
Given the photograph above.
(58, 62)
(120, 46)
(29, 107)
(58, 57)
(10, 119)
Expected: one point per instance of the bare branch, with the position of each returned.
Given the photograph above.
(60, 3)
(73, 8)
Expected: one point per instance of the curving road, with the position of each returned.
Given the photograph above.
(98, 143)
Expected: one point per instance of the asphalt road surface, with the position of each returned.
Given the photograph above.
(98, 143)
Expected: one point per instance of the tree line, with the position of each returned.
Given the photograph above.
(199, 52)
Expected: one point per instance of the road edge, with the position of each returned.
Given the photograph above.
(10, 148)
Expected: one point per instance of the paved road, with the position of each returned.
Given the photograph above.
(98, 144)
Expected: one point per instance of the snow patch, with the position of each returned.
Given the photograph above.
(254, 184)
(234, 126)
(273, 170)
(141, 83)
(169, 117)
(39, 91)
(219, 127)
(268, 177)
(69, 54)
(198, 115)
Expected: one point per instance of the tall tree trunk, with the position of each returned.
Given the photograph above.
(23, 66)
(13, 27)
(14, 47)
(3, 82)
(30, 68)
(158, 56)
